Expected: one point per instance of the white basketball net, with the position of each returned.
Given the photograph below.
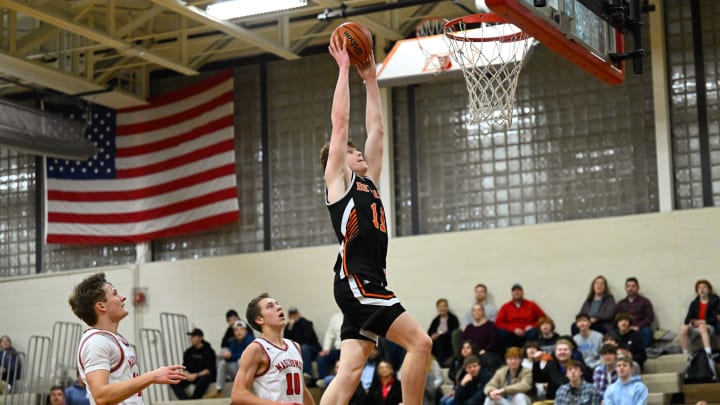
(491, 56)
(436, 60)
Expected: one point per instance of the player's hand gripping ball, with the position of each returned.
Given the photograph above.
(359, 41)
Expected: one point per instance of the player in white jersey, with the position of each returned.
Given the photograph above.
(271, 365)
(106, 360)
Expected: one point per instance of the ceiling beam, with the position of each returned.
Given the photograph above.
(64, 82)
(375, 27)
(40, 35)
(55, 18)
(137, 21)
(233, 30)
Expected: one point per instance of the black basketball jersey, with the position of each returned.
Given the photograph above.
(358, 219)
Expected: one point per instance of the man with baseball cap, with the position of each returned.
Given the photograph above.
(200, 367)
(517, 319)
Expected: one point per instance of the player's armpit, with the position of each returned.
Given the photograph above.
(252, 363)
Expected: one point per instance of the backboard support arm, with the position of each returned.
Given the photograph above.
(626, 17)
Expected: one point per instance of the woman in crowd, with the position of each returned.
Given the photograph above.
(385, 388)
(440, 331)
(600, 305)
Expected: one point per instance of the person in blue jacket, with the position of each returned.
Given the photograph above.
(628, 389)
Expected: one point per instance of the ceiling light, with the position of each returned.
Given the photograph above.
(228, 10)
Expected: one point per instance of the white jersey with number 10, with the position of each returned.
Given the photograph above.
(283, 380)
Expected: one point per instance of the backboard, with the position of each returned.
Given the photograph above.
(408, 62)
(571, 30)
(416, 60)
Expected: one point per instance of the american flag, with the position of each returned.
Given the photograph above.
(161, 170)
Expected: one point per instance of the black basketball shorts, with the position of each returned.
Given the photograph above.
(368, 307)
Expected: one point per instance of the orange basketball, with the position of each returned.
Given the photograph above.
(359, 41)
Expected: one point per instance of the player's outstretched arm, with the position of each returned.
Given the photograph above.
(337, 173)
(105, 393)
(373, 119)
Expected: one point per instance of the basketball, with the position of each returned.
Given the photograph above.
(359, 41)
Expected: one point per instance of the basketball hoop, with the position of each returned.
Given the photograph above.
(490, 52)
(436, 59)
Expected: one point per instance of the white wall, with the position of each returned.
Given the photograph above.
(554, 262)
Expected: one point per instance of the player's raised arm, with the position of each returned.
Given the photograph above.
(337, 173)
(373, 120)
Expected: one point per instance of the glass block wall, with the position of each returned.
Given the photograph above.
(576, 149)
(683, 98)
(17, 213)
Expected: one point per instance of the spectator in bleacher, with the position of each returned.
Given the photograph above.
(553, 375)
(231, 316)
(301, 330)
(385, 388)
(482, 299)
(470, 389)
(76, 394)
(546, 334)
(600, 305)
(433, 382)
(330, 352)
(588, 341)
(457, 371)
(368, 373)
(640, 309)
(612, 338)
(702, 316)
(628, 389)
(200, 367)
(577, 391)
(511, 383)
(630, 339)
(517, 319)
(10, 364)
(481, 331)
(229, 358)
(440, 331)
(606, 373)
(57, 395)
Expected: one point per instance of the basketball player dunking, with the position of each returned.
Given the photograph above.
(358, 218)
(272, 365)
(106, 361)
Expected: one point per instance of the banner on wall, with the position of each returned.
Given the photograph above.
(161, 170)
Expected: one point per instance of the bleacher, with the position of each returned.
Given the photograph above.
(51, 361)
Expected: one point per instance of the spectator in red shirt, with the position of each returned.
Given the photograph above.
(702, 316)
(517, 319)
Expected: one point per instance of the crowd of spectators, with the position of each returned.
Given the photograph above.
(492, 356)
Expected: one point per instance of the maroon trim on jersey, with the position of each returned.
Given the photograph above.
(267, 357)
(274, 345)
(103, 332)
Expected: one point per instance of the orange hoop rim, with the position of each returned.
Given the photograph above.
(479, 19)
